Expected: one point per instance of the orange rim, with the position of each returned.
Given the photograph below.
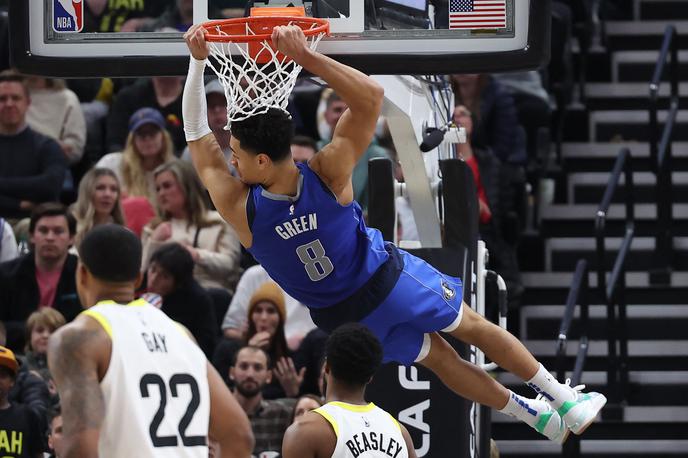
(235, 29)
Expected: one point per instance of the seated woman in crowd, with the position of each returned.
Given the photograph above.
(304, 404)
(266, 317)
(99, 202)
(183, 217)
(170, 275)
(148, 145)
(40, 325)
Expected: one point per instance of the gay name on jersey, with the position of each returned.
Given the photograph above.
(155, 342)
(297, 226)
(373, 441)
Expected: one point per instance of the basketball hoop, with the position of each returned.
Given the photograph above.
(254, 75)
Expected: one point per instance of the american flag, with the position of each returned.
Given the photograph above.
(477, 14)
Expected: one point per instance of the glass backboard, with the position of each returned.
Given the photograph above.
(82, 38)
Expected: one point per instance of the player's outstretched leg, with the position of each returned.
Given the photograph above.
(473, 383)
(577, 409)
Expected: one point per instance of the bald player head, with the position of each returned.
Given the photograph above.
(109, 265)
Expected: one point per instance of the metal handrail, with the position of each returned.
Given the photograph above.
(661, 155)
(578, 295)
(612, 291)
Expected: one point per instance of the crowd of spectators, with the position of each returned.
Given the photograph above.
(78, 154)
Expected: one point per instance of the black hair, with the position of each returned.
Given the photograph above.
(353, 354)
(52, 209)
(268, 360)
(112, 253)
(176, 260)
(53, 413)
(305, 140)
(268, 133)
(9, 372)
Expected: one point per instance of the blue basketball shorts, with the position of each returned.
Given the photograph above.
(423, 301)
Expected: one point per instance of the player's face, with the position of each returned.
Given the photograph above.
(304, 405)
(14, 102)
(51, 237)
(245, 163)
(39, 339)
(250, 372)
(105, 195)
(160, 281)
(149, 140)
(55, 436)
(171, 198)
(217, 111)
(265, 317)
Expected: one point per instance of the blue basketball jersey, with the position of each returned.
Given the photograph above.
(318, 251)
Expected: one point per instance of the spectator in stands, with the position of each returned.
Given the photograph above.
(269, 418)
(148, 145)
(183, 217)
(55, 111)
(304, 404)
(266, 316)
(99, 202)
(303, 148)
(44, 277)
(495, 119)
(170, 275)
(217, 120)
(108, 16)
(163, 93)
(531, 101)
(486, 170)
(19, 425)
(235, 324)
(309, 356)
(39, 327)
(32, 166)
(55, 433)
(178, 16)
(8, 244)
(335, 108)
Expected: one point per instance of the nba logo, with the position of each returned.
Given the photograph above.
(68, 16)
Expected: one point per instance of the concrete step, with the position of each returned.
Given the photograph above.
(578, 220)
(645, 35)
(589, 187)
(629, 96)
(562, 253)
(639, 66)
(660, 10)
(632, 125)
(600, 157)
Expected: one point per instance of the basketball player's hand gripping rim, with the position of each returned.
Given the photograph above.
(195, 40)
(290, 40)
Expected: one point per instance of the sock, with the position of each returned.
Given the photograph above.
(551, 390)
(526, 410)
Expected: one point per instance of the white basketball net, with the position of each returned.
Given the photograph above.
(252, 88)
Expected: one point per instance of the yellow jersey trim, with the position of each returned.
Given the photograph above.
(100, 319)
(326, 415)
(353, 407)
(135, 303)
(394, 420)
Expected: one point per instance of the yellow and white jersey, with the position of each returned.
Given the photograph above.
(364, 431)
(157, 401)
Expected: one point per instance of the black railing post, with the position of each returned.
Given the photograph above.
(661, 155)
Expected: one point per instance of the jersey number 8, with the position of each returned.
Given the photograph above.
(317, 265)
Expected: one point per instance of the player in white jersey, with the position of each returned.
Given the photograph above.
(132, 382)
(347, 426)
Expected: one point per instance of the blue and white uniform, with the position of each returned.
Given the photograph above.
(322, 254)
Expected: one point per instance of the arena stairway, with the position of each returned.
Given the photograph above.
(655, 418)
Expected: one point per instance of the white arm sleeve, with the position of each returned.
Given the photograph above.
(194, 108)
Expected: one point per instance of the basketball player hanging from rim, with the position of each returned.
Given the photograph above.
(302, 224)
